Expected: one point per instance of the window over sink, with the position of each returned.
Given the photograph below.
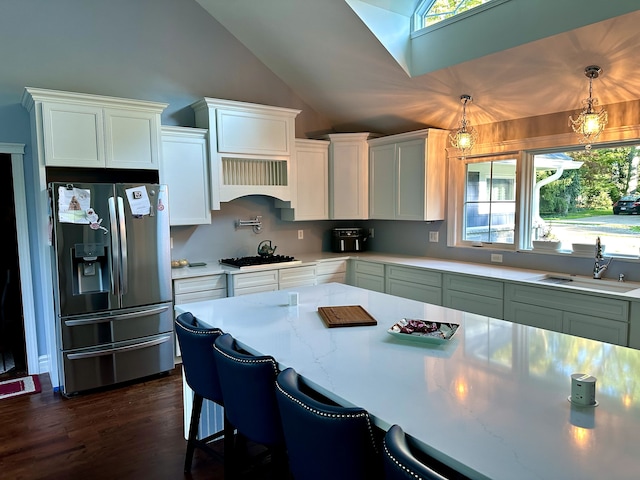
(565, 195)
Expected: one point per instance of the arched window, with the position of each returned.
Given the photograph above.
(430, 12)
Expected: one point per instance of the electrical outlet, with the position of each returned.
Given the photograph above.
(300, 234)
(496, 257)
(433, 237)
(371, 233)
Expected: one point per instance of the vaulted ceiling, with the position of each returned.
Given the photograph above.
(362, 81)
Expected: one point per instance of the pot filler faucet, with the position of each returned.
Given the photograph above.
(600, 267)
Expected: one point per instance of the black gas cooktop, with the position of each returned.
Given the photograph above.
(257, 261)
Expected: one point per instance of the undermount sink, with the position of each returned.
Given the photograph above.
(606, 285)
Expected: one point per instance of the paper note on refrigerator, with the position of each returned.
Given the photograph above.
(73, 204)
(138, 200)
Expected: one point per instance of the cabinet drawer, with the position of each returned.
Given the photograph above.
(369, 268)
(199, 296)
(255, 289)
(340, 277)
(415, 275)
(198, 284)
(255, 279)
(329, 268)
(478, 286)
(297, 274)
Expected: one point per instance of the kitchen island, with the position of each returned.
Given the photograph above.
(492, 402)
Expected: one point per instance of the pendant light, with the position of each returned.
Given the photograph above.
(590, 121)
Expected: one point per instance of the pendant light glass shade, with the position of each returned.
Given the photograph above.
(465, 137)
(590, 121)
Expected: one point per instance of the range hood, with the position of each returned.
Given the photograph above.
(251, 148)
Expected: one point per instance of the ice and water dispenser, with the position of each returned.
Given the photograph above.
(90, 268)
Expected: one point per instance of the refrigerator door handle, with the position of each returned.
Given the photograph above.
(119, 316)
(126, 348)
(115, 248)
(123, 244)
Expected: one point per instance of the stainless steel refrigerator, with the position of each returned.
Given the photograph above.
(112, 286)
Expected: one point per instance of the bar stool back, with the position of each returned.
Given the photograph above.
(399, 461)
(248, 387)
(325, 440)
(201, 374)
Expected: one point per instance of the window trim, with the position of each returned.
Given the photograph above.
(417, 18)
(525, 182)
(456, 200)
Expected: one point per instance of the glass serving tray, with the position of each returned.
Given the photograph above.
(423, 331)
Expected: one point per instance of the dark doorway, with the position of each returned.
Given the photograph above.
(13, 357)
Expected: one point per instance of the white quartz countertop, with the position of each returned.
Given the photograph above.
(606, 287)
(492, 402)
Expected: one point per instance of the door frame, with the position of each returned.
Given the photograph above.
(16, 151)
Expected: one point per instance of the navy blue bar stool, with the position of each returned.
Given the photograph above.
(325, 440)
(400, 463)
(201, 374)
(248, 387)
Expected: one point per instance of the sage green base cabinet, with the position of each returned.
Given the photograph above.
(369, 275)
(471, 294)
(634, 325)
(414, 283)
(584, 315)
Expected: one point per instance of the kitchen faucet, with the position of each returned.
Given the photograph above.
(599, 268)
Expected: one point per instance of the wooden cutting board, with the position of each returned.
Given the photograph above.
(346, 316)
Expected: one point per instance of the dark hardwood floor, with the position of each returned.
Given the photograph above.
(134, 431)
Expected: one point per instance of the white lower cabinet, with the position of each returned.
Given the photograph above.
(270, 280)
(297, 277)
(331, 271)
(414, 283)
(196, 289)
(252, 282)
(369, 275)
(472, 294)
(584, 315)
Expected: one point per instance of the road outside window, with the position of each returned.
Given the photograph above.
(580, 196)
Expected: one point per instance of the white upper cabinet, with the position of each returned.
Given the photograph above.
(407, 176)
(349, 175)
(184, 167)
(309, 186)
(91, 131)
(250, 148)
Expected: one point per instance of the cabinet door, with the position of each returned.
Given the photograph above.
(410, 180)
(470, 302)
(311, 176)
(349, 192)
(132, 139)
(73, 135)
(414, 291)
(184, 168)
(370, 282)
(382, 191)
(534, 315)
(596, 328)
